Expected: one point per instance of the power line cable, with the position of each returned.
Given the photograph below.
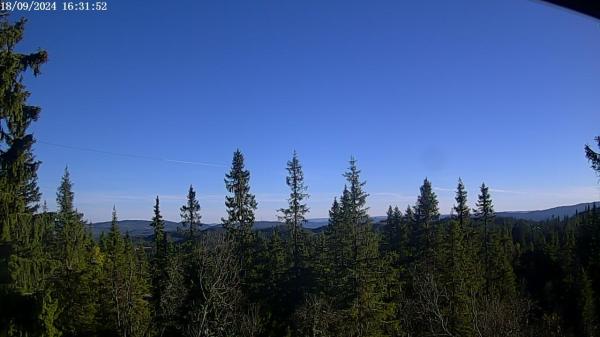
(129, 155)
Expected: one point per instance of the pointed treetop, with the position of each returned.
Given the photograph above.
(461, 208)
(65, 195)
(354, 196)
(334, 212)
(114, 225)
(241, 204)
(190, 213)
(485, 208)
(426, 209)
(157, 216)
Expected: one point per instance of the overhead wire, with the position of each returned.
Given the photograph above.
(129, 155)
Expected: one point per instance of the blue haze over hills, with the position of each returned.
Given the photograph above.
(143, 228)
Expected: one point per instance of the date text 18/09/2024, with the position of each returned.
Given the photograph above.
(31, 6)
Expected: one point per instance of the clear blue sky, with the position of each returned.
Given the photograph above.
(505, 92)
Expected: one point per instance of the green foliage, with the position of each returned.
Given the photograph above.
(484, 217)
(190, 214)
(24, 266)
(273, 283)
(70, 230)
(587, 306)
(294, 216)
(48, 316)
(74, 275)
(168, 307)
(353, 263)
(425, 234)
(161, 273)
(124, 307)
(240, 207)
(338, 259)
(18, 167)
(593, 156)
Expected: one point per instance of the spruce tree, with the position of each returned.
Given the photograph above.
(356, 209)
(124, 310)
(160, 236)
(168, 307)
(277, 290)
(159, 268)
(426, 216)
(137, 310)
(69, 227)
(18, 167)
(394, 231)
(357, 263)
(277, 263)
(338, 240)
(114, 273)
(240, 206)
(394, 254)
(19, 194)
(294, 215)
(74, 275)
(411, 234)
(593, 156)
(354, 212)
(48, 315)
(389, 231)
(587, 306)
(190, 214)
(402, 235)
(459, 267)
(461, 209)
(484, 215)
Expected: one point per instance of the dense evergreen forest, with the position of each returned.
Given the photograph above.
(415, 274)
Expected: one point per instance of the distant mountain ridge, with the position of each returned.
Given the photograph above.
(143, 228)
(545, 214)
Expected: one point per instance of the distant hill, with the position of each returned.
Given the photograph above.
(143, 228)
(549, 213)
(133, 227)
(321, 222)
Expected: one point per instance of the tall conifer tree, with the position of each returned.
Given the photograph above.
(124, 310)
(18, 167)
(484, 214)
(190, 214)
(69, 226)
(160, 236)
(459, 269)
(426, 216)
(339, 242)
(74, 273)
(356, 263)
(240, 206)
(19, 193)
(389, 230)
(294, 215)
(159, 267)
